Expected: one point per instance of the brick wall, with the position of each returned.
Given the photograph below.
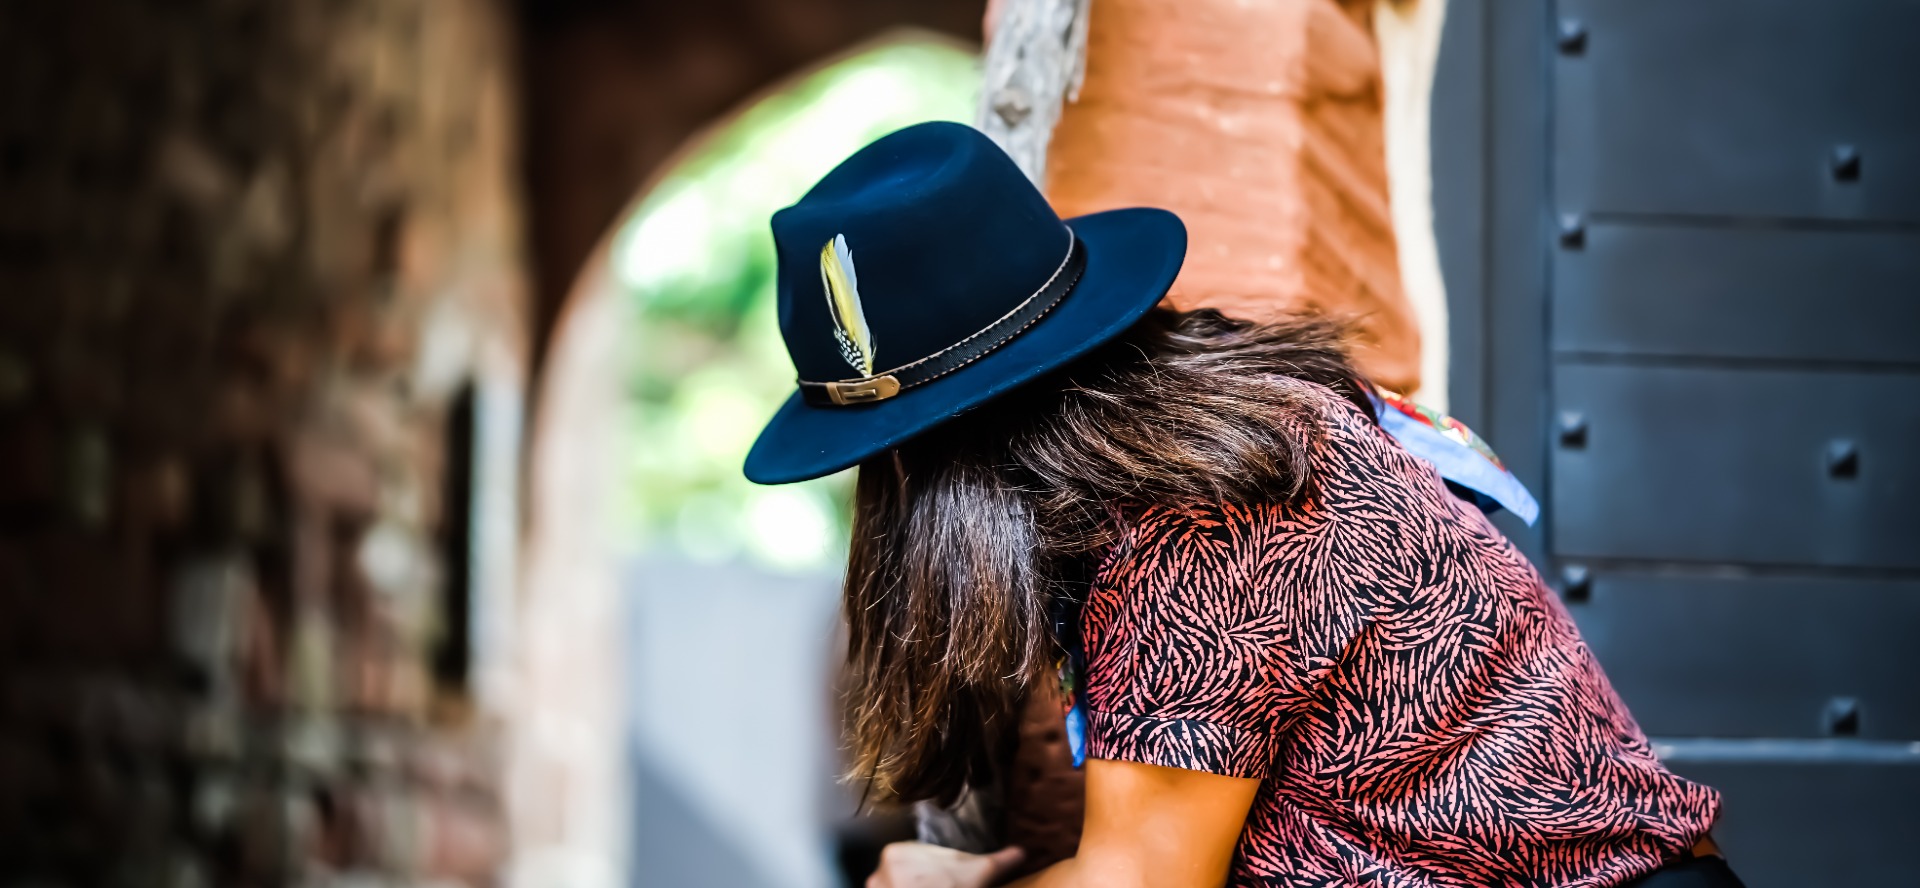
(260, 319)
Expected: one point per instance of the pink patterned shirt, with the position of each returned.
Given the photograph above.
(1420, 707)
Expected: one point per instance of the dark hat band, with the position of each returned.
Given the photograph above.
(881, 386)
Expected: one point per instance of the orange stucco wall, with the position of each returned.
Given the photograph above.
(1262, 126)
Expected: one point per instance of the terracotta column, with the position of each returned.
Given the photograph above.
(1261, 124)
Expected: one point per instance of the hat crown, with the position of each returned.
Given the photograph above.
(916, 242)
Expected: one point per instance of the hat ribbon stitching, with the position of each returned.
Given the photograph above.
(880, 386)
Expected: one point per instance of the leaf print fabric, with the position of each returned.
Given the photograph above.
(1421, 709)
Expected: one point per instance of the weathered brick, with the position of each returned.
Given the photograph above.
(221, 225)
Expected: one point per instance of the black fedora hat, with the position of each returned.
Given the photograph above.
(925, 276)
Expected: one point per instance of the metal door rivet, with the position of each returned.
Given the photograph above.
(1573, 430)
(1576, 583)
(1573, 37)
(1573, 231)
(1842, 717)
(1846, 163)
(1843, 459)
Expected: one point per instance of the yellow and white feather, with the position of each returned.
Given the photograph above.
(843, 298)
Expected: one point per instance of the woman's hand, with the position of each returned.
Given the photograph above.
(919, 865)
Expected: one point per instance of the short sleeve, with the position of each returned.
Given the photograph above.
(1194, 659)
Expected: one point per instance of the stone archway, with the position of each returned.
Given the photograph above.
(606, 621)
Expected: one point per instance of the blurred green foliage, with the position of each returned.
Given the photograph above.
(696, 264)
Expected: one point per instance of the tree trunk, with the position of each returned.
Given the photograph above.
(1036, 56)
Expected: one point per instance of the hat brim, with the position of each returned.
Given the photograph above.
(1133, 256)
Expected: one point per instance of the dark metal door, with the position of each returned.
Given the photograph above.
(1682, 248)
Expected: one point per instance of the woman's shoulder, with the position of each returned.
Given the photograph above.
(1349, 456)
(1335, 414)
(1327, 418)
(1195, 545)
(1213, 524)
(1351, 450)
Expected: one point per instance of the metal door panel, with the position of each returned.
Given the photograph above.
(1720, 117)
(1740, 293)
(1737, 107)
(1717, 465)
(1813, 823)
(1727, 656)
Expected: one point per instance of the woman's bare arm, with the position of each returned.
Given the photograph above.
(1153, 826)
(1145, 826)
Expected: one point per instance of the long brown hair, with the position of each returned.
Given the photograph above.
(962, 539)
